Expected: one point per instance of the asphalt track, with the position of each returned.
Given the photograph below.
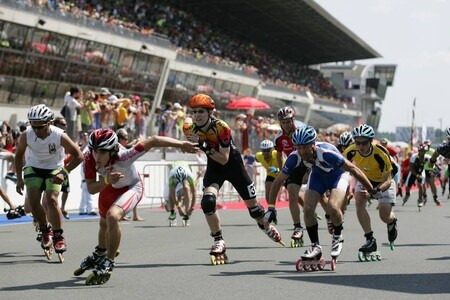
(161, 262)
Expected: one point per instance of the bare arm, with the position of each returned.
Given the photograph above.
(164, 141)
(358, 174)
(74, 150)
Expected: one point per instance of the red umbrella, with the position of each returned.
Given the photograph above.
(247, 103)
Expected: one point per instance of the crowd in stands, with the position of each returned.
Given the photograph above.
(195, 37)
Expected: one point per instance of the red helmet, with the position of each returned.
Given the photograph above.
(103, 139)
(201, 101)
(286, 112)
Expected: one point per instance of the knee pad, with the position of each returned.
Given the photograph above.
(208, 203)
(256, 212)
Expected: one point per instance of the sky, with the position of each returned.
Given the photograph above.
(415, 36)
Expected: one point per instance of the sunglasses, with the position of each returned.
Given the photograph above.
(38, 127)
(364, 143)
(198, 111)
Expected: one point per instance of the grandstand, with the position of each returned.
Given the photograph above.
(237, 48)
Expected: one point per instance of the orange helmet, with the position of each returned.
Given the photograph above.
(201, 101)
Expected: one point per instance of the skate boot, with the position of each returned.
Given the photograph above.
(92, 260)
(392, 233)
(59, 244)
(405, 199)
(173, 219)
(297, 237)
(420, 203)
(311, 259)
(438, 203)
(101, 273)
(46, 240)
(186, 221)
(368, 252)
(218, 255)
(329, 224)
(424, 202)
(273, 234)
(336, 249)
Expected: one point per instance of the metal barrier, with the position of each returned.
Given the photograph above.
(155, 178)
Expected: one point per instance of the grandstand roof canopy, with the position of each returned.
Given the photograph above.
(299, 30)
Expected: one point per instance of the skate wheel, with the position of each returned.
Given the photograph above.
(378, 257)
(361, 256)
(91, 279)
(281, 243)
(60, 257)
(333, 263)
(225, 259)
(117, 253)
(391, 245)
(322, 263)
(78, 271)
(214, 261)
(299, 265)
(306, 267)
(48, 253)
(314, 267)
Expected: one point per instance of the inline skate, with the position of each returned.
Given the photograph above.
(18, 212)
(405, 199)
(185, 221)
(217, 253)
(368, 252)
(297, 237)
(172, 219)
(46, 240)
(92, 260)
(273, 234)
(59, 244)
(436, 201)
(336, 249)
(311, 260)
(102, 272)
(420, 203)
(392, 233)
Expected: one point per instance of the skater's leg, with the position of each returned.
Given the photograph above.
(386, 213)
(34, 200)
(335, 203)
(294, 207)
(114, 231)
(54, 211)
(361, 197)
(208, 204)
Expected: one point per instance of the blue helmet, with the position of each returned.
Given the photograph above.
(363, 130)
(304, 136)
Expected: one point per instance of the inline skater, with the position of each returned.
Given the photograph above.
(181, 174)
(284, 146)
(44, 171)
(224, 163)
(267, 157)
(329, 172)
(120, 188)
(375, 162)
(430, 176)
(417, 174)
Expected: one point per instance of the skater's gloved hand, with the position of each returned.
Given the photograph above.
(376, 193)
(193, 138)
(270, 216)
(273, 169)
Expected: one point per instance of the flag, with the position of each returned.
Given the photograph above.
(413, 125)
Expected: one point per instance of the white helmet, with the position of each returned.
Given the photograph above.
(40, 113)
(180, 174)
(266, 145)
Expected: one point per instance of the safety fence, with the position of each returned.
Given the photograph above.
(155, 178)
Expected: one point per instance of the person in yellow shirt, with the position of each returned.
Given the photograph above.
(373, 159)
(122, 113)
(267, 157)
